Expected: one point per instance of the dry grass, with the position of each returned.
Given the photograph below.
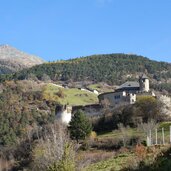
(6, 165)
(85, 158)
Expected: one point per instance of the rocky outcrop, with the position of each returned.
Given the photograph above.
(12, 59)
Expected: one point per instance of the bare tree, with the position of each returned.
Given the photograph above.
(124, 133)
(148, 128)
(52, 148)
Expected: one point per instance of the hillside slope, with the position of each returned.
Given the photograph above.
(70, 96)
(11, 59)
(111, 68)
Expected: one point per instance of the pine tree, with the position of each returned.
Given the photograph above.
(80, 127)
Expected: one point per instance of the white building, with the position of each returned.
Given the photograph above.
(127, 92)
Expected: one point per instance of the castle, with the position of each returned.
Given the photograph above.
(124, 94)
(127, 92)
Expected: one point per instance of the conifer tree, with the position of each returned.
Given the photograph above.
(80, 127)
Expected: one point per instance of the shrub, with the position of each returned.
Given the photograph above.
(109, 144)
(93, 135)
(141, 152)
(60, 93)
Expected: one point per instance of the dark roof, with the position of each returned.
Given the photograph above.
(130, 84)
(144, 76)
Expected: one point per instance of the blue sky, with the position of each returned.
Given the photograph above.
(62, 29)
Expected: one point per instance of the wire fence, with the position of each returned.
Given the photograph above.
(158, 136)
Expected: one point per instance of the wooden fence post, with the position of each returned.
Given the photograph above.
(163, 136)
(150, 138)
(156, 137)
(170, 134)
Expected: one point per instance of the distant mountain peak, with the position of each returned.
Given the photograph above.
(10, 56)
(4, 45)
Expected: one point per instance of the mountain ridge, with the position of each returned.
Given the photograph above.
(101, 67)
(113, 69)
(12, 59)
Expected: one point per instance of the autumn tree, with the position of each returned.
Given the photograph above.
(149, 108)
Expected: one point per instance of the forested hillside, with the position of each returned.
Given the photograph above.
(28, 107)
(22, 107)
(111, 68)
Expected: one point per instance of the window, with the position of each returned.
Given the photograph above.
(117, 97)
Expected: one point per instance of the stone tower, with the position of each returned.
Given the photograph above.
(144, 83)
(64, 113)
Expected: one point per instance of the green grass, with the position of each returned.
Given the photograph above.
(123, 159)
(165, 125)
(130, 160)
(94, 86)
(101, 88)
(72, 96)
(115, 133)
(133, 132)
(114, 163)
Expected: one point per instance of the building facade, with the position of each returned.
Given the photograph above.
(127, 92)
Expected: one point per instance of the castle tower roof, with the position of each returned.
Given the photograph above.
(143, 76)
